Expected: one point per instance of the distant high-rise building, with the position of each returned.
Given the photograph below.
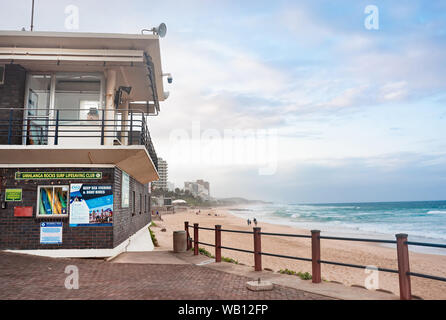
(170, 186)
(199, 188)
(162, 172)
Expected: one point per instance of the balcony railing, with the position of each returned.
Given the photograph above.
(65, 127)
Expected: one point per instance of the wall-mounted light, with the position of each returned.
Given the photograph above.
(169, 77)
(118, 94)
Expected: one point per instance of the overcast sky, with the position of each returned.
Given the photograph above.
(350, 113)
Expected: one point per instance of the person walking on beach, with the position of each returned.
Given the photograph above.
(255, 221)
(249, 222)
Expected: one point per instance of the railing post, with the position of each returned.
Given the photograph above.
(403, 266)
(186, 227)
(316, 256)
(11, 114)
(131, 128)
(102, 127)
(196, 239)
(217, 243)
(257, 249)
(56, 132)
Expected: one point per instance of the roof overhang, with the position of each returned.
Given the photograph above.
(135, 160)
(89, 52)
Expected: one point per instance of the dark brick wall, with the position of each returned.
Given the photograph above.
(24, 232)
(126, 222)
(12, 95)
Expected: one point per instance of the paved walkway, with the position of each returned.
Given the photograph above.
(328, 289)
(33, 277)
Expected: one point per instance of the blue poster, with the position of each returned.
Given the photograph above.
(91, 205)
(51, 232)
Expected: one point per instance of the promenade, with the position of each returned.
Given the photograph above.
(33, 277)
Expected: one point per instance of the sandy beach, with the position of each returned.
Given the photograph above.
(340, 251)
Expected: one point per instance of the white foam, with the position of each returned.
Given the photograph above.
(436, 212)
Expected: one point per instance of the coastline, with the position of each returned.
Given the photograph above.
(361, 253)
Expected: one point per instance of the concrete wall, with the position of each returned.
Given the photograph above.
(24, 232)
(12, 95)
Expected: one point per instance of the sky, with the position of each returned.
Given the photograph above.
(289, 101)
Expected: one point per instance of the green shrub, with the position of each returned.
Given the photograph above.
(152, 235)
(205, 252)
(230, 260)
(302, 275)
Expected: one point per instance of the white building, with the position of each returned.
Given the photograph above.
(163, 174)
(170, 186)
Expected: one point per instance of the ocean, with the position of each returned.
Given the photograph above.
(423, 221)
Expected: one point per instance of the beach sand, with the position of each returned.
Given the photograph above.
(360, 253)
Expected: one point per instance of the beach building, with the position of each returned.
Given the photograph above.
(163, 175)
(76, 156)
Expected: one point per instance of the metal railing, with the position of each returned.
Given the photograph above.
(401, 244)
(53, 126)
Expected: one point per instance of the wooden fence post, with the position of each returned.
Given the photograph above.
(403, 266)
(186, 227)
(217, 243)
(196, 239)
(316, 256)
(257, 250)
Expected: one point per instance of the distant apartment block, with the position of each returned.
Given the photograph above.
(170, 186)
(163, 174)
(199, 188)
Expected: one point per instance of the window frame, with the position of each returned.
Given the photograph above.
(133, 202)
(2, 79)
(122, 189)
(53, 215)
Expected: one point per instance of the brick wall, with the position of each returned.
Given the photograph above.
(24, 232)
(127, 222)
(12, 95)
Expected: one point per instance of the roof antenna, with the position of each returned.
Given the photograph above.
(32, 16)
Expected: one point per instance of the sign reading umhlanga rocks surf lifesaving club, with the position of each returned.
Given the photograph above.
(57, 175)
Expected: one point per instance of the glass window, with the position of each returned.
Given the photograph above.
(2, 74)
(38, 108)
(78, 96)
(125, 193)
(133, 202)
(52, 201)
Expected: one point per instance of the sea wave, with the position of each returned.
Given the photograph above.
(436, 212)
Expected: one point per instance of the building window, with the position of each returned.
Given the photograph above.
(78, 96)
(2, 74)
(133, 202)
(52, 201)
(145, 203)
(125, 190)
(140, 203)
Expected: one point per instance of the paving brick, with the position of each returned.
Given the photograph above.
(32, 277)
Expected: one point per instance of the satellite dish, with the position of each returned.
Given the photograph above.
(161, 30)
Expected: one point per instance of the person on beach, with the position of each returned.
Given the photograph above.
(255, 221)
(249, 222)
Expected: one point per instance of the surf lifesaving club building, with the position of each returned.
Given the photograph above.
(76, 156)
